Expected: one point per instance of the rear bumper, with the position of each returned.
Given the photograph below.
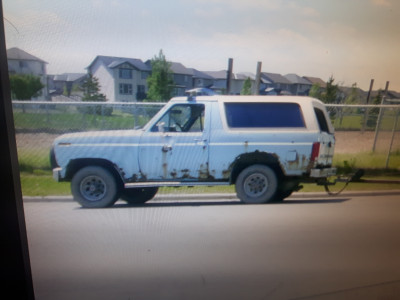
(322, 173)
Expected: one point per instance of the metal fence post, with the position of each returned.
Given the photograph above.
(378, 124)
(102, 117)
(367, 111)
(391, 142)
(47, 114)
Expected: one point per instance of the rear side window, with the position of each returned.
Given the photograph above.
(264, 115)
(323, 124)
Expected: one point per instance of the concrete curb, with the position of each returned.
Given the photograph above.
(229, 196)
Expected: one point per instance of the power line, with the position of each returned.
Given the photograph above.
(11, 25)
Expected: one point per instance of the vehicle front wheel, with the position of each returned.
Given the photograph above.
(256, 184)
(139, 195)
(94, 187)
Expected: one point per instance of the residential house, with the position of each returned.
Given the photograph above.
(21, 62)
(66, 83)
(316, 80)
(239, 80)
(219, 78)
(274, 83)
(182, 77)
(393, 95)
(201, 79)
(299, 85)
(121, 79)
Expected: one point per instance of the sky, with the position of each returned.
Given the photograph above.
(352, 40)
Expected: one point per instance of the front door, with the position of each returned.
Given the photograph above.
(176, 147)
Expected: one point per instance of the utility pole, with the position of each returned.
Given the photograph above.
(229, 76)
(258, 79)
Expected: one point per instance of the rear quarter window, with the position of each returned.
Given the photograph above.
(264, 115)
(323, 124)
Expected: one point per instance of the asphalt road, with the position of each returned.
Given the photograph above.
(308, 248)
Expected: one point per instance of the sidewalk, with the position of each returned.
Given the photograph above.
(229, 196)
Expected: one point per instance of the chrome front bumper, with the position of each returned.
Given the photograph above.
(57, 174)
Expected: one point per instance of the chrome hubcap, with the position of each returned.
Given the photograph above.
(93, 188)
(255, 185)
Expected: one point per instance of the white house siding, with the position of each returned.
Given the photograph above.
(134, 81)
(106, 80)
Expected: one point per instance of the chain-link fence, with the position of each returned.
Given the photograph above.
(37, 124)
(371, 129)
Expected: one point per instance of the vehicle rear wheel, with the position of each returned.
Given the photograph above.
(256, 184)
(139, 195)
(94, 187)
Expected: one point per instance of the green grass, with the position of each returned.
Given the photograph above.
(42, 184)
(356, 122)
(35, 161)
(63, 122)
(36, 177)
(366, 160)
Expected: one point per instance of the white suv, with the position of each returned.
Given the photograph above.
(265, 145)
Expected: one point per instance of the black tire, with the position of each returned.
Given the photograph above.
(257, 184)
(95, 187)
(281, 195)
(138, 195)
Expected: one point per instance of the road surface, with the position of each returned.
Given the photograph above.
(308, 248)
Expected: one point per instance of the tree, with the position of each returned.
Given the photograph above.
(331, 93)
(352, 97)
(315, 91)
(25, 86)
(91, 88)
(160, 81)
(246, 89)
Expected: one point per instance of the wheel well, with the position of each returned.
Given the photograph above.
(77, 164)
(261, 158)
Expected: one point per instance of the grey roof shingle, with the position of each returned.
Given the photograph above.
(178, 68)
(296, 79)
(217, 74)
(316, 80)
(70, 77)
(200, 74)
(245, 75)
(18, 54)
(113, 62)
(275, 78)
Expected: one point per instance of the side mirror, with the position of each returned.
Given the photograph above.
(160, 126)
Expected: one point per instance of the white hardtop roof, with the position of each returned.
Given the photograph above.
(237, 98)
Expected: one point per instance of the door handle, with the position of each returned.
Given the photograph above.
(166, 148)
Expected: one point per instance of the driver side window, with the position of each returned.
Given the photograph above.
(181, 118)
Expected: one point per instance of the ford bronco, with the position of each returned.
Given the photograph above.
(265, 145)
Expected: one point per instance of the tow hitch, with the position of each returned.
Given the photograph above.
(353, 177)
